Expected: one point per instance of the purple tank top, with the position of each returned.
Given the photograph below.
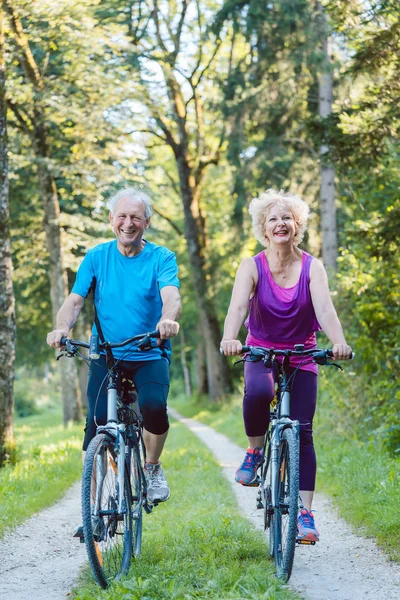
(282, 317)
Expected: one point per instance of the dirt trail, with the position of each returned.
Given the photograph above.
(40, 560)
(342, 566)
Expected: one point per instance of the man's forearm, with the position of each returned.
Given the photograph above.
(68, 314)
(171, 310)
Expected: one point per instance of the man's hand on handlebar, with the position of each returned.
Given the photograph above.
(167, 329)
(54, 337)
(231, 347)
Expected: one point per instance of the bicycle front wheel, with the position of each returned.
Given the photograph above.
(107, 531)
(286, 504)
(267, 497)
(135, 461)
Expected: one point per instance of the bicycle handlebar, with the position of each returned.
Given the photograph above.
(95, 346)
(319, 355)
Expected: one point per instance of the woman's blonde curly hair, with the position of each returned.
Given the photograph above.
(260, 206)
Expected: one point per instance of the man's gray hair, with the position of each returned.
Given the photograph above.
(133, 194)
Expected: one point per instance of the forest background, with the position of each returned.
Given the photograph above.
(203, 104)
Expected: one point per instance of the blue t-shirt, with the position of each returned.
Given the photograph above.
(127, 294)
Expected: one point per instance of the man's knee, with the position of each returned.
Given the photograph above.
(153, 406)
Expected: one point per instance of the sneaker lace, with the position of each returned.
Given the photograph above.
(156, 477)
(250, 461)
(307, 519)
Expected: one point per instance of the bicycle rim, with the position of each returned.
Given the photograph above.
(108, 534)
(285, 515)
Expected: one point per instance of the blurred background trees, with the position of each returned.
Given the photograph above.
(206, 103)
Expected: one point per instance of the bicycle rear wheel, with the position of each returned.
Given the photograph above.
(107, 532)
(284, 519)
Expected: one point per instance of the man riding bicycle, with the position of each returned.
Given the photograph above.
(136, 289)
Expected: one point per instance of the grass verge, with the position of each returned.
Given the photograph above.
(361, 478)
(48, 462)
(197, 545)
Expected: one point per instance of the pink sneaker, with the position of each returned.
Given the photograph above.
(247, 472)
(306, 529)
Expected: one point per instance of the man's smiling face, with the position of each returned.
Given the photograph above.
(128, 221)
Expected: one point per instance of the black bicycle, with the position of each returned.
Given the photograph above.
(278, 493)
(114, 490)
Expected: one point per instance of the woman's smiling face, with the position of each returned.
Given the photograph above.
(280, 226)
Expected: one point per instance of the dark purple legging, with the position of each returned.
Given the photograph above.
(259, 384)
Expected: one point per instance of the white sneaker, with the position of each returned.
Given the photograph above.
(157, 486)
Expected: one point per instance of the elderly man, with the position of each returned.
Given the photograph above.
(136, 289)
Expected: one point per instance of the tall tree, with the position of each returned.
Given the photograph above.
(33, 120)
(7, 320)
(174, 56)
(327, 169)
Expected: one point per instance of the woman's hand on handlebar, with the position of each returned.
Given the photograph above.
(231, 347)
(54, 337)
(342, 352)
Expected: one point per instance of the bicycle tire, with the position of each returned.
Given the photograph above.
(285, 515)
(267, 498)
(107, 534)
(135, 458)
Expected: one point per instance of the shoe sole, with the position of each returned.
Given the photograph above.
(155, 502)
(255, 483)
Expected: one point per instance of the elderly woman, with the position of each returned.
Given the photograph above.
(286, 292)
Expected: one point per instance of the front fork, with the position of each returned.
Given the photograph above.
(277, 426)
(118, 466)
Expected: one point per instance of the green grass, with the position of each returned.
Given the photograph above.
(196, 545)
(362, 479)
(48, 462)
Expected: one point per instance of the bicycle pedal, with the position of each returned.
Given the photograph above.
(305, 542)
(79, 534)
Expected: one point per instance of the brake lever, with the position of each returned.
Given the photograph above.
(332, 364)
(239, 361)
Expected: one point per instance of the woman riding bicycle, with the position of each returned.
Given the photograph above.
(287, 295)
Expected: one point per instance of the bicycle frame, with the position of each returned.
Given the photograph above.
(280, 420)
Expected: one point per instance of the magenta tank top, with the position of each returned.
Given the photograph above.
(282, 317)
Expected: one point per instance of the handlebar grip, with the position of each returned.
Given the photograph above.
(63, 341)
(246, 349)
(329, 354)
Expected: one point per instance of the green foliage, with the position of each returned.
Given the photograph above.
(35, 392)
(199, 528)
(352, 468)
(48, 462)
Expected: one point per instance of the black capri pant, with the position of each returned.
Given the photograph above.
(151, 378)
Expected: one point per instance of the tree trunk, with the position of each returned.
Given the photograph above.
(327, 193)
(82, 332)
(219, 381)
(71, 400)
(201, 366)
(185, 366)
(7, 317)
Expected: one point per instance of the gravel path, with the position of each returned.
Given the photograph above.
(342, 566)
(40, 560)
